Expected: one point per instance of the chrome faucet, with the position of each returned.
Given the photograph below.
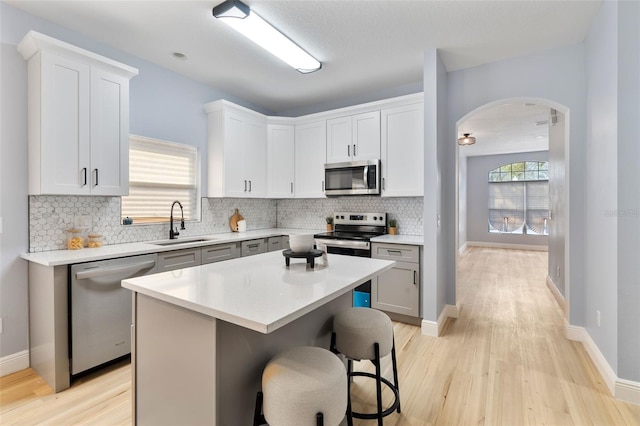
(174, 234)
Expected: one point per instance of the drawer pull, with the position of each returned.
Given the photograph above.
(398, 252)
(415, 277)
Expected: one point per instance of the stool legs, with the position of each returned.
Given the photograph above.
(395, 371)
(376, 362)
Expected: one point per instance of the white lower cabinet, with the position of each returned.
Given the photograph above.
(398, 289)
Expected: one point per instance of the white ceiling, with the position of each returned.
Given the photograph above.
(365, 46)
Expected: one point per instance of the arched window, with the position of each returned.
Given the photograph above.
(519, 198)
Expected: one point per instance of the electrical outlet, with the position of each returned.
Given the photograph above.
(598, 318)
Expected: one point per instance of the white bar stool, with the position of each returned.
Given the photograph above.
(303, 386)
(365, 333)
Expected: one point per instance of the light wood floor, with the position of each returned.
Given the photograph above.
(504, 361)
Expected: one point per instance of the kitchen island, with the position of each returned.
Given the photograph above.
(201, 336)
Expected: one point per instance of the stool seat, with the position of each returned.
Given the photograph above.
(301, 382)
(357, 329)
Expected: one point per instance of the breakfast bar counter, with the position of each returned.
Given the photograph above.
(202, 335)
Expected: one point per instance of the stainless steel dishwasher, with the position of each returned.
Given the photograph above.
(100, 309)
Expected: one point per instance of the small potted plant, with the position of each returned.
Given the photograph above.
(393, 227)
(329, 220)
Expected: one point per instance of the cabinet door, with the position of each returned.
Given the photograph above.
(281, 160)
(366, 136)
(402, 151)
(109, 134)
(178, 259)
(255, 158)
(339, 137)
(398, 290)
(310, 154)
(60, 159)
(251, 247)
(274, 243)
(235, 180)
(220, 252)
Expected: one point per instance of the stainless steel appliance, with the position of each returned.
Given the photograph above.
(100, 309)
(352, 178)
(352, 237)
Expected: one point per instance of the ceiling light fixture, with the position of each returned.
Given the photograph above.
(466, 140)
(242, 19)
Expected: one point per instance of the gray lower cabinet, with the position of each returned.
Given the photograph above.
(178, 259)
(220, 252)
(274, 243)
(398, 289)
(251, 247)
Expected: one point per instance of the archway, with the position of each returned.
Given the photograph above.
(558, 278)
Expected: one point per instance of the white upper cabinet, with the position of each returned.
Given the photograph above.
(403, 151)
(237, 158)
(353, 138)
(281, 160)
(78, 119)
(310, 151)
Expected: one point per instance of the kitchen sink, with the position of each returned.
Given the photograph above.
(179, 241)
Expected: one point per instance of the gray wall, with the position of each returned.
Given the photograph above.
(557, 203)
(612, 212)
(628, 190)
(478, 193)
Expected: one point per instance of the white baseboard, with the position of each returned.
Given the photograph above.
(625, 390)
(435, 328)
(462, 249)
(506, 246)
(557, 295)
(14, 362)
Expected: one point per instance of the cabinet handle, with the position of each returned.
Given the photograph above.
(292, 187)
(84, 176)
(322, 186)
(354, 150)
(415, 277)
(249, 186)
(245, 186)
(383, 184)
(95, 171)
(348, 150)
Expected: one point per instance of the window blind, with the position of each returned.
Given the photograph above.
(506, 206)
(161, 172)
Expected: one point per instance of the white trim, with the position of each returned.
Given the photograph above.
(628, 391)
(14, 362)
(507, 246)
(429, 328)
(435, 328)
(462, 249)
(557, 295)
(622, 389)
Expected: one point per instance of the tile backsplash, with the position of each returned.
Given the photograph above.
(50, 216)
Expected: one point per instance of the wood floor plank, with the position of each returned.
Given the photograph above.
(503, 361)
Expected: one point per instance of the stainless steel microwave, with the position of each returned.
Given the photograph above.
(352, 178)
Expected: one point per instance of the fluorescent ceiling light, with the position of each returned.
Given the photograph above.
(239, 17)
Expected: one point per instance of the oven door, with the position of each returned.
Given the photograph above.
(362, 293)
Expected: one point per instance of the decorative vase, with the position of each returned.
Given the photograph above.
(392, 230)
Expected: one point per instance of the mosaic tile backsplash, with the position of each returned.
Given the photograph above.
(50, 216)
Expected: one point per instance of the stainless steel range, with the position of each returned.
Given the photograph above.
(351, 236)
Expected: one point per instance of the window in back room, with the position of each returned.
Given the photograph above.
(161, 172)
(519, 198)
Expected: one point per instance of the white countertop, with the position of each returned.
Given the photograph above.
(416, 240)
(259, 292)
(68, 257)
